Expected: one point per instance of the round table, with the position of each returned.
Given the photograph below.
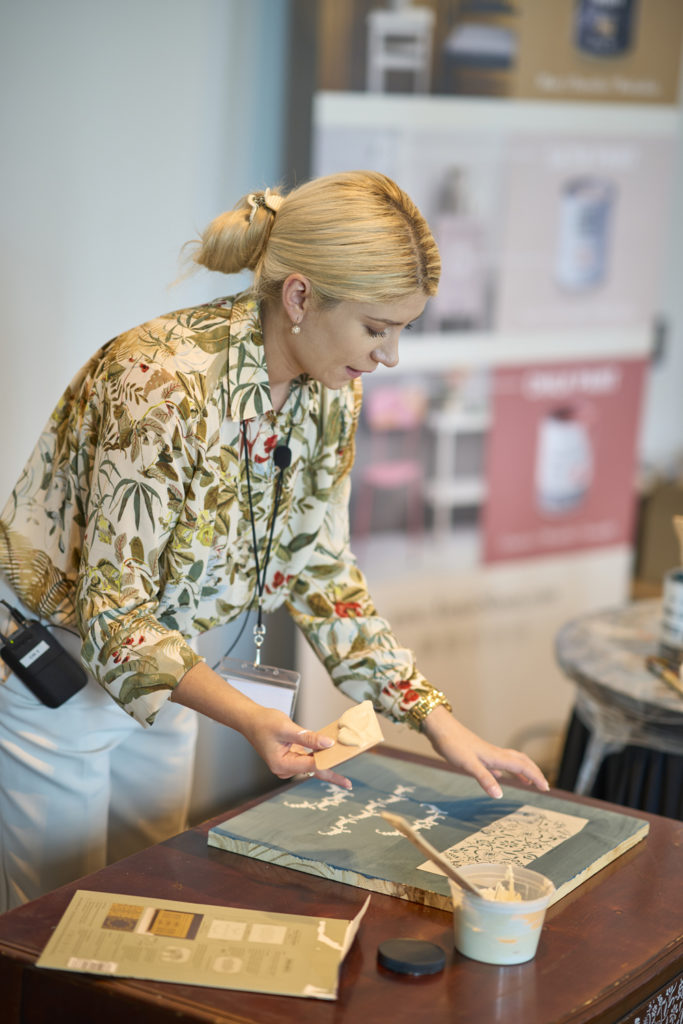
(620, 704)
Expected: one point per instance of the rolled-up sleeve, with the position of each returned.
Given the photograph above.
(330, 603)
(144, 475)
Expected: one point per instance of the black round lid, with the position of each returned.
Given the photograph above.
(411, 956)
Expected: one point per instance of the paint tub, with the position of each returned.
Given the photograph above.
(671, 626)
(498, 932)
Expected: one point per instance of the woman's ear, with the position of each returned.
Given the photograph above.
(296, 296)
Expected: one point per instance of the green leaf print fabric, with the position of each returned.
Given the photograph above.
(130, 521)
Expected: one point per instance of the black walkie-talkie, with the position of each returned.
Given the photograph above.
(40, 661)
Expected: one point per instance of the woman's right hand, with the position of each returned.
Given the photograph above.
(286, 748)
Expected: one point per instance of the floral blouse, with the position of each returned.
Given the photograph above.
(130, 521)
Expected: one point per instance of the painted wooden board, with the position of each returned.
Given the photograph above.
(323, 830)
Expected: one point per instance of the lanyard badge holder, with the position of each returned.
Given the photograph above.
(269, 686)
(266, 685)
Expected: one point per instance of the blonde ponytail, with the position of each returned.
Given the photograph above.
(356, 236)
(235, 240)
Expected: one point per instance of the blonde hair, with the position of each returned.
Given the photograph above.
(356, 236)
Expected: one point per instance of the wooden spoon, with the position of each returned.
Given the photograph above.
(402, 826)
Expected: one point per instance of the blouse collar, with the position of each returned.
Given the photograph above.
(248, 386)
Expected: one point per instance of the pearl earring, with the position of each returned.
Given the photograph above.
(295, 329)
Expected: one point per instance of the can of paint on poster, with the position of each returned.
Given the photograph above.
(564, 462)
(604, 28)
(581, 256)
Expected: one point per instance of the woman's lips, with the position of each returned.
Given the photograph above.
(352, 372)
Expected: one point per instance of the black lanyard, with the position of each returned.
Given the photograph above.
(282, 457)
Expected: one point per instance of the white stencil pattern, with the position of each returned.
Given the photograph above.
(335, 797)
(520, 837)
(372, 809)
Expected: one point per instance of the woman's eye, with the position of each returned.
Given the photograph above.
(376, 334)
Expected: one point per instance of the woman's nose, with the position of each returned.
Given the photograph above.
(387, 352)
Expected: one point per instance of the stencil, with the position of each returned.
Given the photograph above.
(520, 838)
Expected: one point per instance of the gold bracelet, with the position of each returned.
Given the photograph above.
(416, 715)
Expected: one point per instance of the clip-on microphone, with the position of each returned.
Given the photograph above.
(282, 456)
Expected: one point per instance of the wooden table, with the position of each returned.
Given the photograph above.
(608, 950)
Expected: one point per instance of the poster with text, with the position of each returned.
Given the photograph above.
(617, 51)
(584, 232)
(547, 218)
(561, 459)
(606, 50)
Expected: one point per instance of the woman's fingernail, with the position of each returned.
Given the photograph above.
(496, 792)
(326, 741)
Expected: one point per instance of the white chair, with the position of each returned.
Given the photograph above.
(449, 489)
(400, 40)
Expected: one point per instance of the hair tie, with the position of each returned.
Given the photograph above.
(268, 200)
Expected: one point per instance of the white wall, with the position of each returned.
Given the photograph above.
(125, 128)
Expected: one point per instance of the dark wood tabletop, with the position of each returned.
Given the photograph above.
(609, 950)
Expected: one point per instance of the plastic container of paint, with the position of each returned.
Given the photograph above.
(500, 931)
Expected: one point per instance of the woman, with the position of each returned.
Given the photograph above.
(198, 466)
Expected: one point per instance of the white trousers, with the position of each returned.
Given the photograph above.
(84, 784)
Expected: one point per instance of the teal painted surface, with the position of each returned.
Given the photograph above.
(318, 828)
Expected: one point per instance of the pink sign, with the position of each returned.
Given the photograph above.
(561, 460)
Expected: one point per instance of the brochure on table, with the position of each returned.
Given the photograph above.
(123, 936)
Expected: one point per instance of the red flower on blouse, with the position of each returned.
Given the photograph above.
(268, 445)
(279, 579)
(408, 696)
(347, 609)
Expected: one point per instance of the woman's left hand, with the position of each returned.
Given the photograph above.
(484, 761)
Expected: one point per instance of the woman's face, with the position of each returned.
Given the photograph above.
(352, 338)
